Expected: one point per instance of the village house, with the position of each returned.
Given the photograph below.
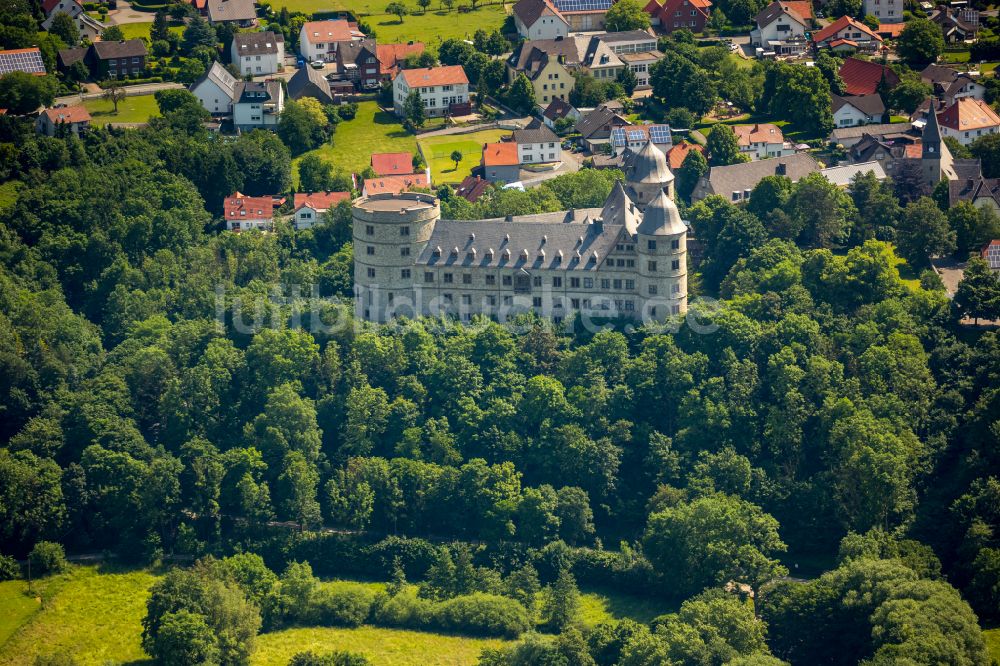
(394, 184)
(595, 127)
(548, 65)
(443, 90)
(310, 206)
(392, 164)
(539, 19)
(557, 110)
(641, 64)
(949, 84)
(239, 13)
(309, 82)
(846, 34)
(735, 182)
(391, 55)
(863, 77)
(472, 188)
(781, 28)
(842, 174)
(679, 152)
(634, 137)
(537, 144)
(981, 192)
(216, 90)
(258, 53)
(257, 104)
(89, 27)
(500, 162)
(886, 11)
(967, 119)
(957, 24)
(243, 213)
(75, 118)
(108, 60)
(857, 110)
(319, 40)
(358, 62)
(22, 60)
(762, 140)
(849, 136)
(675, 14)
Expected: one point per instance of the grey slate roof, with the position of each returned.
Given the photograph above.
(535, 132)
(661, 218)
(308, 82)
(530, 56)
(874, 130)
(841, 175)
(256, 91)
(72, 55)
(129, 48)
(741, 177)
(938, 74)
(649, 165)
(257, 43)
(231, 10)
(558, 108)
(530, 11)
(626, 36)
(595, 121)
(870, 105)
(970, 189)
(221, 77)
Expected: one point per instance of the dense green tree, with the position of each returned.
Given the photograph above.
(302, 125)
(24, 93)
(198, 33)
(65, 28)
(626, 15)
(920, 43)
(692, 169)
(978, 294)
(160, 28)
(924, 232)
(562, 601)
(723, 147)
(973, 226)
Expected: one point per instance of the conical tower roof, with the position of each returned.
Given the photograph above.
(662, 218)
(619, 209)
(650, 166)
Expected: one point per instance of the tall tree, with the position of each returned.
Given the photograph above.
(924, 232)
(723, 146)
(626, 15)
(920, 43)
(65, 28)
(978, 294)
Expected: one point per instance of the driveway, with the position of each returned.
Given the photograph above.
(951, 272)
(571, 163)
(125, 14)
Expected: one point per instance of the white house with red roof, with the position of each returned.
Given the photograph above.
(762, 140)
(676, 14)
(539, 19)
(781, 27)
(243, 213)
(443, 90)
(847, 34)
(309, 206)
(319, 40)
(968, 119)
(76, 118)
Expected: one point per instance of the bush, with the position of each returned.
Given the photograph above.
(9, 568)
(483, 615)
(47, 558)
(340, 608)
(405, 611)
(347, 111)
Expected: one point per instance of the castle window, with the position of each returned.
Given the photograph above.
(630, 263)
(428, 276)
(605, 283)
(675, 264)
(466, 278)
(652, 290)
(449, 278)
(491, 280)
(404, 251)
(492, 300)
(574, 303)
(617, 283)
(370, 250)
(574, 282)
(466, 299)
(508, 300)
(557, 282)
(404, 274)
(676, 289)
(651, 245)
(675, 244)
(588, 283)
(651, 266)
(629, 285)
(537, 281)
(370, 229)
(371, 272)
(536, 301)
(404, 231)
(508, 280)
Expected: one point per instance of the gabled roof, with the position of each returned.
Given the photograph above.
(130, 48)
(535, 132)
(676, 155)
(747, 135)
(890, 30)
(938, 74)
(257, 43)
(221, 77)
(392, 164)
(745, 176)
(531, 57)
(971, 189)
(309, 82)
(770, 14)
(597, 119)
(22, 60)
(231, 10)
(870, 105)
(558, 108)
(842, 175)
(530, 11)
(968, 114)
(389, 55)
(472, 188)
(426, 77)
(843, 23)
(67, 114)
(502, 153)
(879, 130)
(395, 184)
(255, 92)
(334, 30)
(238, 206)
(862, 77)
(320, 200)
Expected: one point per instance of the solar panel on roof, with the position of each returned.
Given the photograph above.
(618, 137)
(636, 135)
(582, 5)
(21, 61)
(660, 133)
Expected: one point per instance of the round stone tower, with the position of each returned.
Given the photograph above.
(661, 245)
(390, 232)
(648, 175)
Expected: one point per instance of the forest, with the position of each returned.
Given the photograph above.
(810, 459)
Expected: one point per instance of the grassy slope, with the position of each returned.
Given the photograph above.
(992, 637)
(93, 616)
(602, 605)
(437, 151)
(371, 131)
(133, 109)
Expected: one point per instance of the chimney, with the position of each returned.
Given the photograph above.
(781, 169)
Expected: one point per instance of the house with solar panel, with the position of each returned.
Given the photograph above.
(634, 137)
(22, 60)
(626, 259)
(549, 19)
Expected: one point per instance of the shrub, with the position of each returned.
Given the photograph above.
(47, 558)
(9, 568)
(484, 615)
(342, 608)
(348, 110)
(405, 610)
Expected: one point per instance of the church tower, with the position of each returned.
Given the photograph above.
(936, 161)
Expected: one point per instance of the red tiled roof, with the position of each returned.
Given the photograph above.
(389, 55)
(758, 133)
(503, 153)
(968, 114)
(241, 207)
(67, 114)
(392, 164)
(914, 150)
(862, 77)
(890, 30)
(434, 76)
(319, 200)
(671, 6)
(49, 5)
(395, 184)
(840, 24)
(680, 150)
(337, 30)
(840, 42)
(472, 188)
(803, 8)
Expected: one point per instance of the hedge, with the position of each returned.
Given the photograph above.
(476, 614)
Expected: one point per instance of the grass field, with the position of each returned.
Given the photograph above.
(93, 616)
(430, 27)
(132, 109)
(601, 605)
(909, 277)
(371, 131)
(992, 637)
(384, 647)
(437, 151)
(137, 30)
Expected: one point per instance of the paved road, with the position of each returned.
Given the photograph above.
(951, 273)
(144, 89)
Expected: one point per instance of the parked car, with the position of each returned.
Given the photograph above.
(317, 64)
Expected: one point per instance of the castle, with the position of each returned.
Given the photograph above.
(626, 259)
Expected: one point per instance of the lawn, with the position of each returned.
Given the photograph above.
(385, 647)
(604, 605)
(992, 637)
(909, 277)
(132, 109)
(437, 151)
(93, 616)
(955, 56)
(137, 30)
(371, 131)
(8, 194)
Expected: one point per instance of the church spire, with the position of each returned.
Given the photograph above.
(931, 137)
